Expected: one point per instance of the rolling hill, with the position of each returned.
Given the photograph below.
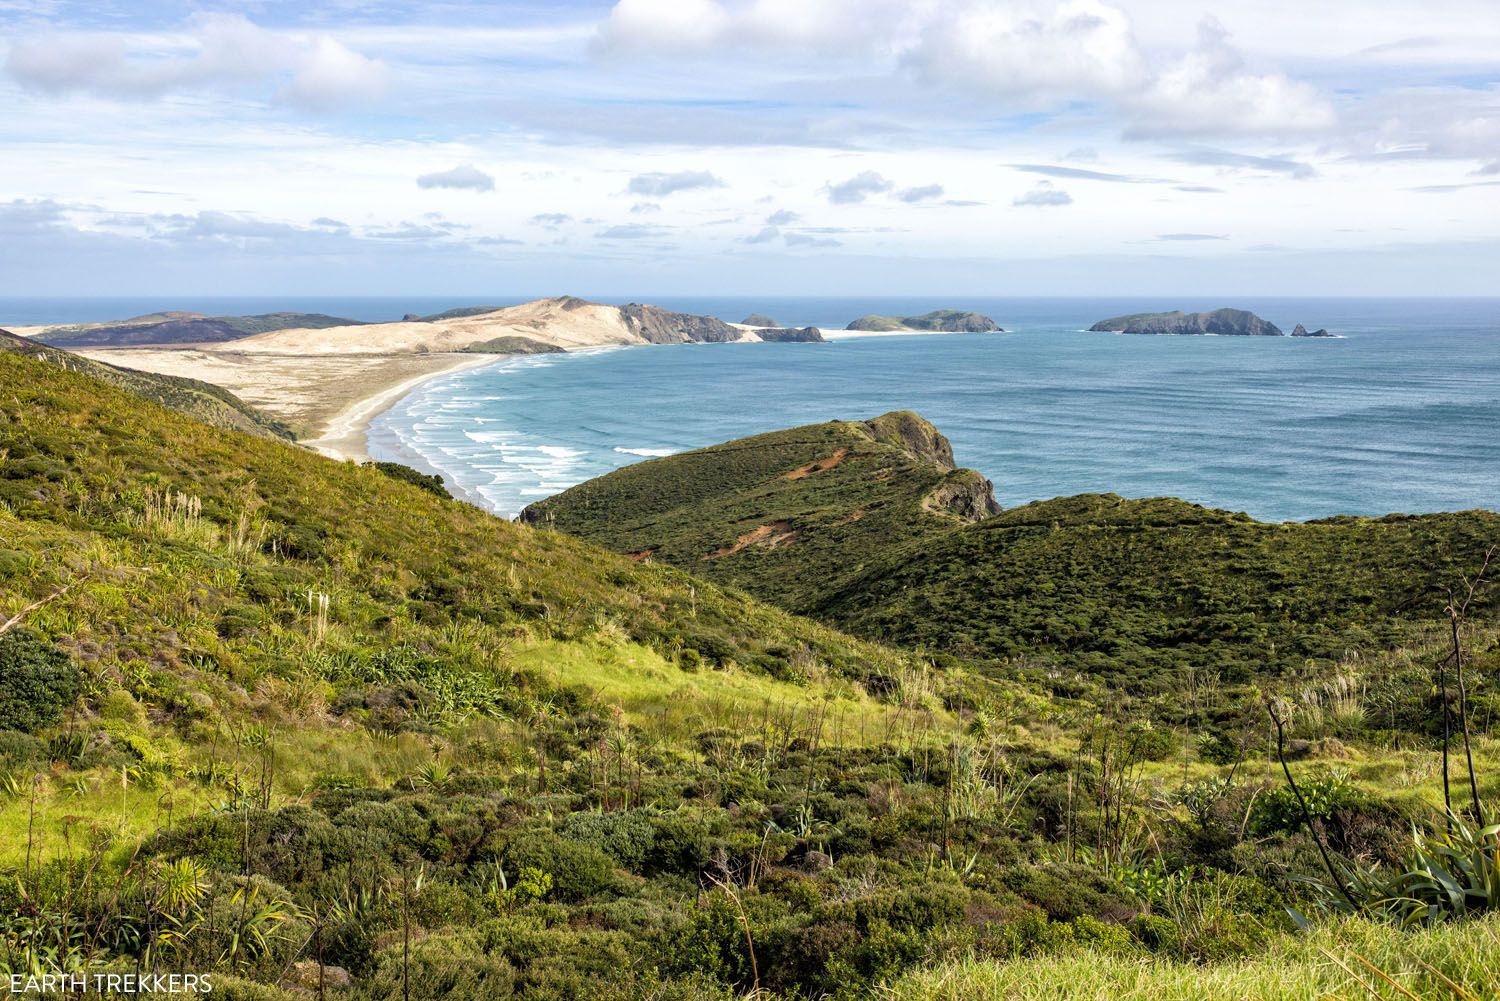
(868, 527)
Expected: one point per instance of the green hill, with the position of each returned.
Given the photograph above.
(310, 729)
(867, 531)
(783, 515)
(206, 402)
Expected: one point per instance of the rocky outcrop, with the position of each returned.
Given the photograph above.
(1219, 322)
(662, 326)
(758, 320)
(804, 334)
(1300, 331)
(964, 494)
(913, 432)
(944, 320)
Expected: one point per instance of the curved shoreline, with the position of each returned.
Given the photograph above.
(346, 434)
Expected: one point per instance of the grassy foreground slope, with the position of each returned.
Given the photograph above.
(319, 731)
(783, 515)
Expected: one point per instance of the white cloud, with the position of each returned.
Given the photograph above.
(857, 188)
(463, 177)
(1077, 48)
(1044, 195)
(220, 51)
(921, 194)
(1210, 91)
(659, 185)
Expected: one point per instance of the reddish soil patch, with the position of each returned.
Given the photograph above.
(772, 536)
(821, 465)
(644, 554)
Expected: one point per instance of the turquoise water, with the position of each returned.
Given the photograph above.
(1402, 413)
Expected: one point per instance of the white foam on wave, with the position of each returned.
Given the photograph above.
(650, 453)
(559, 451)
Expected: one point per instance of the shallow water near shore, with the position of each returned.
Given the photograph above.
(1401, 414)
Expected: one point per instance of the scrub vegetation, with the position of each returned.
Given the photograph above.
(318, 729)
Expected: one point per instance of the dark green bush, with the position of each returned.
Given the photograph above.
(37, 682)
(577, 870)
(396, 471)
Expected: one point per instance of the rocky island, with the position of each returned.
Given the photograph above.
(790, 334)
(1217, 323)
(944, 320)
(758, 320)
(1220, 322)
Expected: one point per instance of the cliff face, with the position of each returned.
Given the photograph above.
(964, 494)
(1220, 322)
(662, 326)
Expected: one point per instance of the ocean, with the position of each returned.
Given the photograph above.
(1401, 413)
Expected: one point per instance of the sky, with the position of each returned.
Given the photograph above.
(793, 147)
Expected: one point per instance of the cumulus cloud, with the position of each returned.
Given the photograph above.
(1043, 195)
(1032, 54)
(551, 220)
(782, 217)
(921, 194)
(659, 185)
(766, 235)
(221, 51)
(857, 188)
(464, 177)
(1210, 90)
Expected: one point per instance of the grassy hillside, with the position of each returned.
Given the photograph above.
(1137, 591)
(313, 729)
(1133, 594)
(783, 515)
(208, 403)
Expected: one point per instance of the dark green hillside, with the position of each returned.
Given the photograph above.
(1141, 591)
(1136, 592)
(782, 515)
(202, 400)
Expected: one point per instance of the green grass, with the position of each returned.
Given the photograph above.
(826, 500)
(1325, 963)
(564, 773)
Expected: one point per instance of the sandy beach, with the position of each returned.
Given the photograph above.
(346, 436)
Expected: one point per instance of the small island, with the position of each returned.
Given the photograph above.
(1300, 331)
(811, 335)
(1220, 322)
(758, 320)
(944, 320)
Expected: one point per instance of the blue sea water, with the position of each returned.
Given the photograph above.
(1401, 413)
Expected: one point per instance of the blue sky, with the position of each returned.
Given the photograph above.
(750, 146)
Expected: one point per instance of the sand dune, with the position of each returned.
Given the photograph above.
(329, 383)
(563, 321)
